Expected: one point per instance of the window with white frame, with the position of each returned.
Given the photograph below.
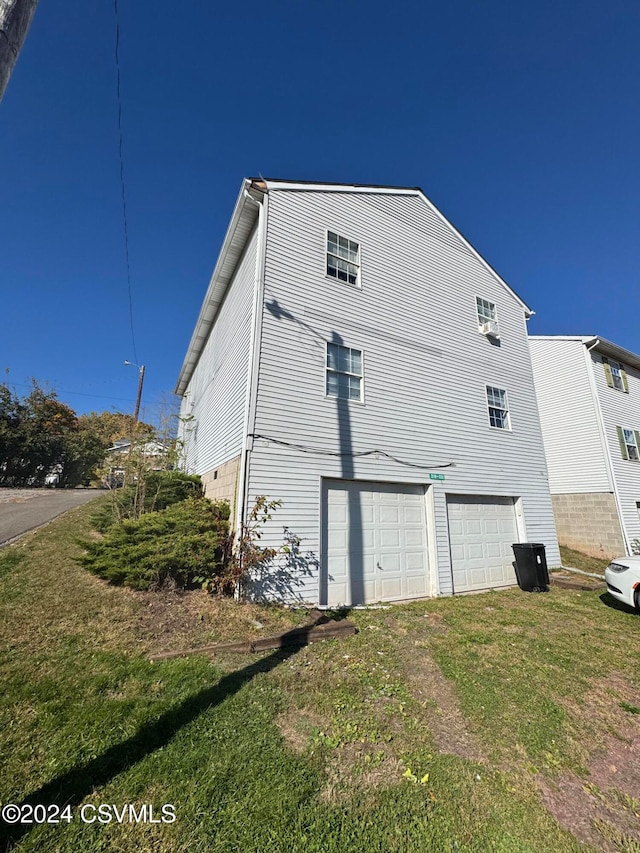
(498, 408)
(615, 374)
(344, 372)
(486, 311)
(629, 444)
(343, 258)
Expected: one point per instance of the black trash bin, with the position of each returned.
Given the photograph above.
(531, 566)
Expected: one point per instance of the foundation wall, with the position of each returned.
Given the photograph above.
(589, 523)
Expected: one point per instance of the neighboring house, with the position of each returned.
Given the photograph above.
(589, 399)
(152, 452)
(358, 360)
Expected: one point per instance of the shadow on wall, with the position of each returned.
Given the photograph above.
(330, 353)
(286, 576)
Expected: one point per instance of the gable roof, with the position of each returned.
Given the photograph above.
(243, 219)
(602, 345)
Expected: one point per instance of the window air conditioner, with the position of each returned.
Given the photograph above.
(490, 328)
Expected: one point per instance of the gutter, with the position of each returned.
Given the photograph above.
(253, 362)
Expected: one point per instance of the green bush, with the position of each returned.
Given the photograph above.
(157, 490)
(184, 545)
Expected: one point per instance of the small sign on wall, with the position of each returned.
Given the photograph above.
(436, 476)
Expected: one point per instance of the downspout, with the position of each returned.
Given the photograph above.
(603, 436)
(252, 365)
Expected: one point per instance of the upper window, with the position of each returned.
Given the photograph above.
(629, 444)
(344, 372)
(616, 375)
(343, 258)
(487, 317)
(498, 408)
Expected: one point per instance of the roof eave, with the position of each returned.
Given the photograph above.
(242, 221)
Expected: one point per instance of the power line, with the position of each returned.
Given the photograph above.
(303, 448)
(122, 188)
(76, 393)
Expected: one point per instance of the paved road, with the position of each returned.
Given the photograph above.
(23, 509)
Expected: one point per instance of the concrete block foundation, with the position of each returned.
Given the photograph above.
(589, 523)
(221, 483)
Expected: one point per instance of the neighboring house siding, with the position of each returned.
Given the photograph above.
(620, 409)
(569, 418)
(425, 369)
(213, 407)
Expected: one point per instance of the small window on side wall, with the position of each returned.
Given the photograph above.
(498, 408)
(615, 374)
(629, 443)
(344, 372)
(343, 259)
(487, 318)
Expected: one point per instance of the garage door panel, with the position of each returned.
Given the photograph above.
(389, 514)
(481, 532)
(414, 538)
(379, 534)
(389, 538)
(416, 563)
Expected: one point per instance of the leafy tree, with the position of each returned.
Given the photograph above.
(39, 435)
(110, 426)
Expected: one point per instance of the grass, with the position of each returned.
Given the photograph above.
(429, 730)
(577, 560)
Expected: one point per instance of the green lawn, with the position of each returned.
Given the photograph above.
(459, 724)
(576, 560)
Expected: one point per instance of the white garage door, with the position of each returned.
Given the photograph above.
(375, 542)
(481, 532)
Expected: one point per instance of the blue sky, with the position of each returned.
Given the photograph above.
(519, 120)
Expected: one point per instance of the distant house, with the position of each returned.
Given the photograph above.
(154, 453)
(588, 393)
(358, 360)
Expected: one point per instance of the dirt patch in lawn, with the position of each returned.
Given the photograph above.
(172, 621)
(362, 766)
(448, 726)
(298, 728)
(603, 808)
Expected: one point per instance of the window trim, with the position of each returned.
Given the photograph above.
(509, 427)
(328, 370)
(607, 364)
(495, 319)
(625, 445)
(326, 253)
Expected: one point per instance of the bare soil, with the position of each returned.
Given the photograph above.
(603, 808)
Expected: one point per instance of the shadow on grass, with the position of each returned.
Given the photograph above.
(614, 604)
(72, 787)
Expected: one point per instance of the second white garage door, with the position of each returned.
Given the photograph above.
(481, 532)
(375, 542)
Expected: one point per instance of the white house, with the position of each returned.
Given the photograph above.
(358, 360)
(589, 399)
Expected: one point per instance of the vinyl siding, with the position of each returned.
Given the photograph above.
(568, 414)
(425, 364)
(621, 409)
(216, 395)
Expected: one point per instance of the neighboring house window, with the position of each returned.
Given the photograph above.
(343, 258)
(498, 409)
(615, 374)
(487, 314)
(629, 443)
(344, 372)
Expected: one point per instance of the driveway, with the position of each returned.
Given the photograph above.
(22, 510)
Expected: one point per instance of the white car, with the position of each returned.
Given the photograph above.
(623, 580)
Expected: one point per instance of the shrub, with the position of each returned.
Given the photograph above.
(184, 545)
(156, 490)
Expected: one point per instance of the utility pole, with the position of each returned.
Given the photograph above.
(140, 381)
(15, 18)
